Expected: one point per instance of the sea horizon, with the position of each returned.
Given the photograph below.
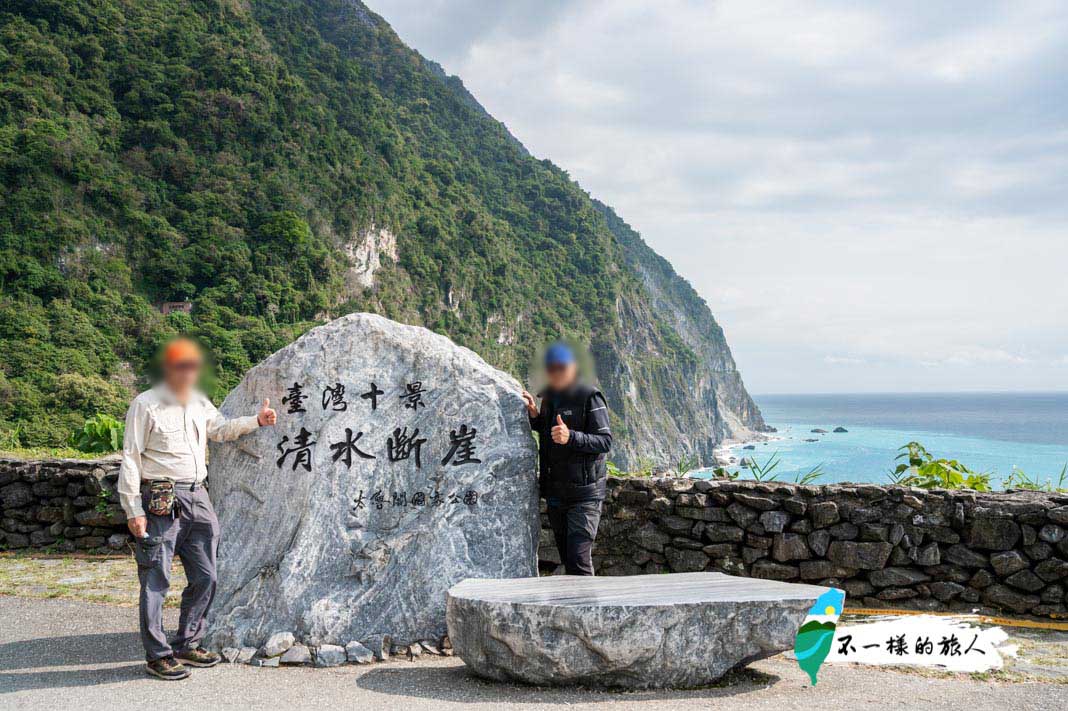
(992, 432)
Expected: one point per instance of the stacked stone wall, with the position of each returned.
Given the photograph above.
(886, 546)
(61, 505)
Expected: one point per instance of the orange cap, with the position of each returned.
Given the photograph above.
(182, 350)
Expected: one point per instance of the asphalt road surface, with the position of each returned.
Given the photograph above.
(61, 654)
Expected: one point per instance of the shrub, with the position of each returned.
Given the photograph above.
(921, 469)
(101, 433)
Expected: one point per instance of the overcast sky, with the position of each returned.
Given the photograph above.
(870, 196)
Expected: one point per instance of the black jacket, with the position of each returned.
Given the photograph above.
(575, 471)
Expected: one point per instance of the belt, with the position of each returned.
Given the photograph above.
(183, 485)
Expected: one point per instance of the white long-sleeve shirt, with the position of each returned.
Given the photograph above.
(166, 440)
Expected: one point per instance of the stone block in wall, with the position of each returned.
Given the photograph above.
(945, 591)
(630, 497)
(822, 569)
(926, 556)
(865, 556)
(675, 525)
(897, 577)
(890, 594)
(790, 546)
(823, 513)
(1054, 593)
(16, 495)
(1026, 580)
(1058, 515)
(1052, 570)
(723, 533)
(1039, 551)
(702, 513)
(761, 503)
(1008, 563)
(661, 505)
(1006, 598)
(856, 588)
(1051, 533)
(720, 550)
(818, 541)
(650, 538)
(774, 521)
(768, 570)
(15, 540)
(686, 561)
(999, 534)
(751, 555)
(742, 515)
(942, 534)
(681, 542)
(844, 531)
(962, 555)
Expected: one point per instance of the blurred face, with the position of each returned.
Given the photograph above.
(561, 377)
(182, 363)
(182, 376)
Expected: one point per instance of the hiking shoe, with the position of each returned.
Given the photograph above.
(167, 668)
(198, 657)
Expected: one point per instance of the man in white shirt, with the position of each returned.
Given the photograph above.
(161, 488)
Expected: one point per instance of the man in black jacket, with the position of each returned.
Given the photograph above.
(574, 440)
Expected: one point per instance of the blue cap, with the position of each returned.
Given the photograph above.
(558, 354)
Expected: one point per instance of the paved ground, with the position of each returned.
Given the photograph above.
(66, 654)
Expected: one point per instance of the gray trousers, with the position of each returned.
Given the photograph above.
(575, 528)
(193, 533)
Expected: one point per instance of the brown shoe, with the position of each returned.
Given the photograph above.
(198, 657)
(167, 668)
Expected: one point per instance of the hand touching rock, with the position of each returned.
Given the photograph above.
(531, 403)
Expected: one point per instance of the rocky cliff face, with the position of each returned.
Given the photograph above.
(684, 408)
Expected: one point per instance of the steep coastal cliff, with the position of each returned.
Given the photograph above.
(270, 165)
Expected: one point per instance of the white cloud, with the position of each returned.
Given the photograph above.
(881, 181)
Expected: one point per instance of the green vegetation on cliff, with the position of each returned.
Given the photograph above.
(237, 155)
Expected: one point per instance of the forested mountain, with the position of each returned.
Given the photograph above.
(278, 163)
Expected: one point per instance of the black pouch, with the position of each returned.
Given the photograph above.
(147, 551)
(161, 498)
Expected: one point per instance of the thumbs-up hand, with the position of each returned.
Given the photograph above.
(266, 416)
(561, 434)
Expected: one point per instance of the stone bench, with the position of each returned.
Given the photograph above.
(643, 631)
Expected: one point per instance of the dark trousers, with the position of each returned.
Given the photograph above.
(574, 528)
(192, 533)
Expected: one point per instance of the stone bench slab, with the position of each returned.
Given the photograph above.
(643, 631)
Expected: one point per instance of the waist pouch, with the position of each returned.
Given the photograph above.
(161, 498)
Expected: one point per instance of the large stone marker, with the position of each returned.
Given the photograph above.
(641, 631)
(400, 465)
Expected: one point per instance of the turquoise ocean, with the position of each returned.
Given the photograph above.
(988, 432)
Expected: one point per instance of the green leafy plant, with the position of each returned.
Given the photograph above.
(613, 470)
(11, 438)
(1019, 479)
(918, 467)
(100, 433)
(806, 478)
(102, 501)
(763, 471)
(724, 473)
(685, 465)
